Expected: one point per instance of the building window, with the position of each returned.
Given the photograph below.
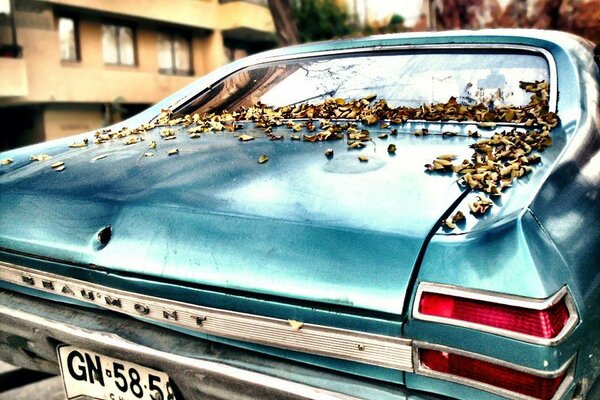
(118, 45)
(174, 54)
(67, 34)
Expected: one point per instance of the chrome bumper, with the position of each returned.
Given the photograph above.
(31, 328)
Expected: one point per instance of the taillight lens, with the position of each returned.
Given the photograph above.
(487, 373)
(547, 323)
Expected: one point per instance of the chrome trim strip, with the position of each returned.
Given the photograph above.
(423, 370)
(552, 101)
(192, 367)
(498, 298)
(379, 350)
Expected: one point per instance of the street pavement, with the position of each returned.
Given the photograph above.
(48, 388)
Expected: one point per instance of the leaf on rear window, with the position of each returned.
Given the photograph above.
(173, 152)
(263, 159)
(57, 164)
(6, 161)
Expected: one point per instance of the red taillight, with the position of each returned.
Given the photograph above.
(487, 373)
(547, 323)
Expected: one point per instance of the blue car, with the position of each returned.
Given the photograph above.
(407, 216)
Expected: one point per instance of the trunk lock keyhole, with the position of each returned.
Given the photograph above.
(104, 236)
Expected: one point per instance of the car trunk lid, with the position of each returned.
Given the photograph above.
(336, 231)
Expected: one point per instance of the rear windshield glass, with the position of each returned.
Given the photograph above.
(402, 79)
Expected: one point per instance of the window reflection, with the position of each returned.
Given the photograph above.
(174, 54)
(402, 79)
(68, 39)
(118, 45)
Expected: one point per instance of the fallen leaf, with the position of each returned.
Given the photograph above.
(101, 157)
(245, 138)
(60, 169)
(263, 159)
(173, 152)
(152, 145)
(391, 148)
(6, 161)
(57, 164)
(329, 153)
(363, 158)
(40, 157)
(296, 325)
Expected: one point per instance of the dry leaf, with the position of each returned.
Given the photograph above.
(149, 154)
(57, 164)
(152, 145)
(245, 138)
(6, 161)
(383, 136)
(77, 145)
(60, 169)
(40, 157)
(263, 159)
(391, 148)
(363, 158)
(329, 153)
(296, 325)
(173, 152)
(101, 157)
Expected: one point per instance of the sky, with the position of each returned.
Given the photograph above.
(382, 9)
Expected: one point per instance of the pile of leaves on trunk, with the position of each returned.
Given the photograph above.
(494, 164)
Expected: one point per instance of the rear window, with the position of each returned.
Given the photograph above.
(402, 79)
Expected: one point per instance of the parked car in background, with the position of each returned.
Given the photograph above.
(404, 216)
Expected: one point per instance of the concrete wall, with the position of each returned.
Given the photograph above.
(62, 120)
(13, 77)
(90, 80)
(209, 14)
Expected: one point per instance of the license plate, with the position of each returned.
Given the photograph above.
(86, 373)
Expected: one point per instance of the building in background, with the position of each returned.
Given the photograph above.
(69, 66)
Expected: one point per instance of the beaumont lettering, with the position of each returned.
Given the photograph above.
(67, 290)
(170, 315)
(48, 285)
(142, 309)
(112, 302)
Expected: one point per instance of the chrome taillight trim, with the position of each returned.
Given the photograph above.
(504, 299)
(384, 351)
(420, 369)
